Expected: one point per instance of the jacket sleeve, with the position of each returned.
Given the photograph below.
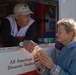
(5, 32)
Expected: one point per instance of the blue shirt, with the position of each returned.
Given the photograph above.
(66, 63)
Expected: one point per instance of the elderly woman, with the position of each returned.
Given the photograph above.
(65, 61)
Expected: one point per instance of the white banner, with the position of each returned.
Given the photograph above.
(15, 60)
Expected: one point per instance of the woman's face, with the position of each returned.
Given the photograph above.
(63, 36)
(23, 20)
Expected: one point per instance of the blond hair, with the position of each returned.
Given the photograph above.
(69, 25)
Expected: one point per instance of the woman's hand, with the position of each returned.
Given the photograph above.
(47, 61)
(38, 62)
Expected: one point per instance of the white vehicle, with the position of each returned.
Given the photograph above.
(17, 61)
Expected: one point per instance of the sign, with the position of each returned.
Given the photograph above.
(18, 61)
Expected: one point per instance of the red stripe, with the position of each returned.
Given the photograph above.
(20, 37)
(30, 73)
